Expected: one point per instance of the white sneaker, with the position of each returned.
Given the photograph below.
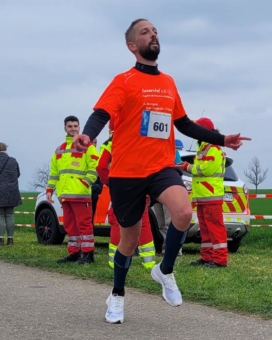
(115, 311)
(170, 291)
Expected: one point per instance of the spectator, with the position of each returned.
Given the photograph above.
(207, 192)
(10, 195)
(72, 174)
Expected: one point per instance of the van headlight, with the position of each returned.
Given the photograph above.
(245, 188)
(188, 185)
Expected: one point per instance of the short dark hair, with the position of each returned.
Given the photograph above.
(71, 119)
(129, 31)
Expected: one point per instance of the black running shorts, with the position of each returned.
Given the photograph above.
(128, 195)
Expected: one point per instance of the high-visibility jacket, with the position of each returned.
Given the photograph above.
(208, 174)
(72, 173)
(103, 165)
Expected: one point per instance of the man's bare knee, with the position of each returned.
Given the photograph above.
(181, 219)
(128, 245)
(129, 239)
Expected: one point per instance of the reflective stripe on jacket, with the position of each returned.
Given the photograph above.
(208, 174)
(72, 173)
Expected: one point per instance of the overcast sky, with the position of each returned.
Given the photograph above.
(57, 56)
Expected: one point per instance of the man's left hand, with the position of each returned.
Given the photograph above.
(234, 141)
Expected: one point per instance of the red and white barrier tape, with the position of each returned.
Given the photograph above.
(250, 226)
(25, 225)
(260, 195)
(24, 212)
(252, 217)
(260, 217)
(260, 225)
(250, 196)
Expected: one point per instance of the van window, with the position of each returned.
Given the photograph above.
(230, 174)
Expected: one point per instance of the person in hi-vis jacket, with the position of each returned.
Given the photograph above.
(207, 193)
(72, 174)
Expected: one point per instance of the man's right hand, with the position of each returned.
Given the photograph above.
(49, 197)
(81, 142)
(183, 166)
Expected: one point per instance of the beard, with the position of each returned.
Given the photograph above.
(150, 52)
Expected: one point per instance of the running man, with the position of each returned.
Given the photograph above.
(143, 154)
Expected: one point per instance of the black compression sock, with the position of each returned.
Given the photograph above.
(119, 292)
(121, 267)
(174, 239)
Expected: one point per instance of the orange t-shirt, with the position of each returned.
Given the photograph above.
(144, 107)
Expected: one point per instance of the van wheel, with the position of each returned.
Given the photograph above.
(157, 236)
(47, 228)
(234, 245)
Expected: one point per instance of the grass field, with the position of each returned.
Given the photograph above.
(28, 205)
(261, 206)
(244, 286)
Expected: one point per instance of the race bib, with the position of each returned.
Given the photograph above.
(155, 124)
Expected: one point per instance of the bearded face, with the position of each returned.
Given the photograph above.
(151, 51)
(145, 41)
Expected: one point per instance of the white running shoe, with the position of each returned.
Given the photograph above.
(170, 291)
(115, 311)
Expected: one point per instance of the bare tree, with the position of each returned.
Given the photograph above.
(39, 177)
(254, 173)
